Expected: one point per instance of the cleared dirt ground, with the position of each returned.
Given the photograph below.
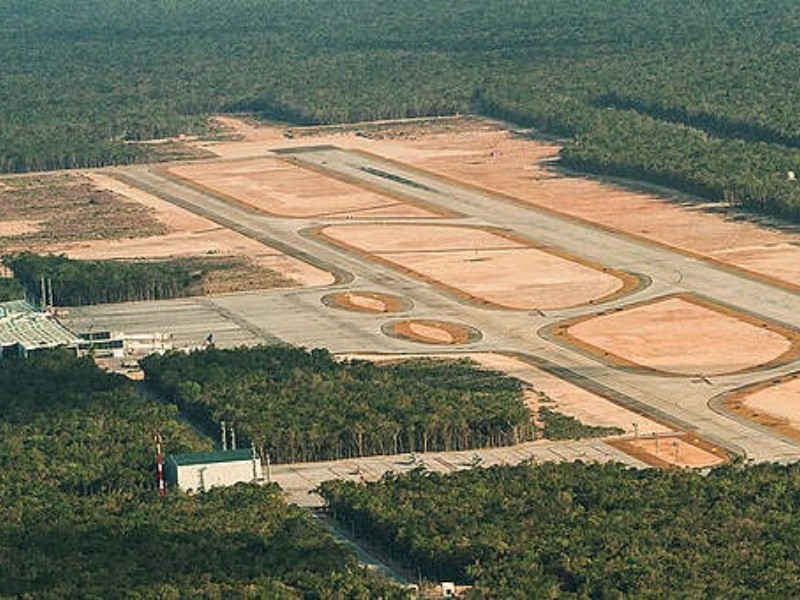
(480, 264)
(277, 187)
(90, 215)
(369, 302)
(18, 227)
(428, 331)
(682, 335)
(775, 404)
(673, 451)
(483, 154)
(191, 235)
(37, 211)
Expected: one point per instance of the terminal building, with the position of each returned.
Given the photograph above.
(25, 330)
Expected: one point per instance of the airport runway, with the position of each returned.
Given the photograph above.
(298, 315)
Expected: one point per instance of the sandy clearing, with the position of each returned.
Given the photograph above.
(780, 401)
(174, 217)
(522, 279)
(569, 399)
(778, 260)
(214, 242)
(495, 159)
(367, 302)
(18, 227)
(675, 451)
(431, 332)
(519, 168)
(403, 237)
(279, 188)
(191, 235)
(428, 331)
(248, 131)
(679, 336)
(481, 264)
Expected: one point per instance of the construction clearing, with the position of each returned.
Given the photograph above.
(629, 309)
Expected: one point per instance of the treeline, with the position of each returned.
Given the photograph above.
(298, 405)
(81, 516)
(81, 282)
(696, 96)
(11, 289)
(587, 531)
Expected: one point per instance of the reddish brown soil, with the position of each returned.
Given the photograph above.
(682, 334)
(483, 154)
(483, 265)
(775, 403)
(686, 451)
(431, 332)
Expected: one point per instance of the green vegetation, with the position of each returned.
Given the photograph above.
(11, 289)
(80, 282)
(588, 531)
(81, 517)
(305, 406)
(697, 95)
(558, 426)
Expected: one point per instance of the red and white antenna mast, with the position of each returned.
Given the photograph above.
(162, 490)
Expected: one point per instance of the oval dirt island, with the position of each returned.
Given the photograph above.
(368, 302)
(425, 331)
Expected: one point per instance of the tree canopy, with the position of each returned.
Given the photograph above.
(698, 95)
(81, 517)
(574, 530)
(301, 405)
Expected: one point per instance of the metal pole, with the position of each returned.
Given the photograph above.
(224, 436)
(255, 464)
(233, 436)
(162, 490)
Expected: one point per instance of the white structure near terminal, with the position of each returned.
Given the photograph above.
(201, 471)
(24, 330)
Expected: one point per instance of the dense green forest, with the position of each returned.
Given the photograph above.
(588, 531)
(81, 282)
(301, 405)
(81, 517)
(699, 95)
(11, 289)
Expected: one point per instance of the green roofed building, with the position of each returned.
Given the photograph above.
(201, 471)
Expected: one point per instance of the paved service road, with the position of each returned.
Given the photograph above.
(298, 316)
(299, 480)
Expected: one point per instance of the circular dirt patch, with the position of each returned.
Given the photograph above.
(440, 333)
(369, 302)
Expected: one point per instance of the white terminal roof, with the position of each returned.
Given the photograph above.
(21, 323)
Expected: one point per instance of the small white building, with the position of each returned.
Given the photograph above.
(201, 471)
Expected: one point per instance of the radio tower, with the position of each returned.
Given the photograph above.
(162, 490)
